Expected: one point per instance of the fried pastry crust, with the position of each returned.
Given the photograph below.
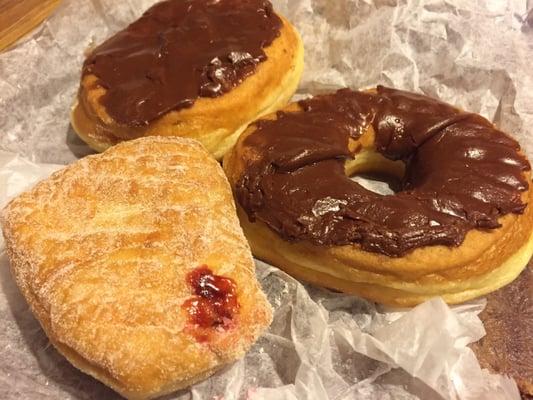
(484, 262)
(215, 122)
(103, 252)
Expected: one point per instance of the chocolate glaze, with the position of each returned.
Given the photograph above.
(215, 301)
(180, 50)
(461, 172)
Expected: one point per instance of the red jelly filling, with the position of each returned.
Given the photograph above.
(215, 301)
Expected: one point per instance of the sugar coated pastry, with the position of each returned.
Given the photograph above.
(192, 68)
(135, 265)
(458, 225)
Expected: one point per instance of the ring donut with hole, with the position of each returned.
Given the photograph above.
(459, 225)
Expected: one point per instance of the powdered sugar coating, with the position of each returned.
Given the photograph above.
(101, 251)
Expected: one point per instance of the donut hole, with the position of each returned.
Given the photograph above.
(375, 172)
(377, 183)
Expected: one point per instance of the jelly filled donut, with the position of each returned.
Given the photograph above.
(138, 277)
(192, 68)
(458, 226)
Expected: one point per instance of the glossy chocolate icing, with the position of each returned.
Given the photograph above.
(461, 172)
(178, 51)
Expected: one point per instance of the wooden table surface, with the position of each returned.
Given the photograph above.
(18, 17)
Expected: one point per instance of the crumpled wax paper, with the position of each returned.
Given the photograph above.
(321, 345)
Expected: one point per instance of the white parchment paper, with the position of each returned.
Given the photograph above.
(321, 345)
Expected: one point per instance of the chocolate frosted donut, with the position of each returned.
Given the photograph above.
(189, 68)
(457, 226)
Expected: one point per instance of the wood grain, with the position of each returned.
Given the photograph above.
(508, 319)
(18, 17)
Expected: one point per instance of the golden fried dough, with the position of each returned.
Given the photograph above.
(135, 265)
(214, 121)
(485, 260)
